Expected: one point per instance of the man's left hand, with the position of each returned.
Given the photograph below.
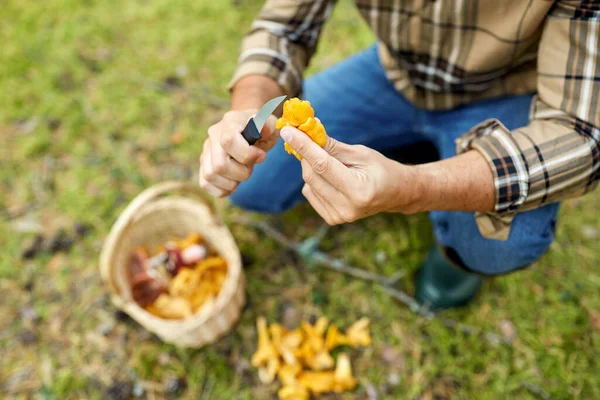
(345, 182)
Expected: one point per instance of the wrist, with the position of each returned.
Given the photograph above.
(253, 91)
(409, 193)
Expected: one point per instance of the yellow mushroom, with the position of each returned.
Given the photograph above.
(320, 361)
(317, 382)
(343, 379)
(292, 339)
(288, 373)
(293, 392)
(265, 352)
(358, 333)
(295, 113)
(314, 333)
(267, 373)
(278, 334)
(170, 307)
(191, 239)
(335, 338)
(321, 326)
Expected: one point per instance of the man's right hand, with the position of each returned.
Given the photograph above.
(227, 159)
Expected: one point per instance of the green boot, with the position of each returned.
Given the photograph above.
(442, 285)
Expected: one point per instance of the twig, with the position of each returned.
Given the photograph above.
(207, 389)
(536, 390)
(341, 266)
(308, 249)
(384, 282)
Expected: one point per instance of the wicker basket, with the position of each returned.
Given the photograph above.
(151, 219)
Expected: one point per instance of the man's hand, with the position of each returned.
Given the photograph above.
(344, 183)
(227, 159)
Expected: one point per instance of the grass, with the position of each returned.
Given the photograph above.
(99, 100)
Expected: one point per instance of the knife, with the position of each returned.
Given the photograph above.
(252, 130)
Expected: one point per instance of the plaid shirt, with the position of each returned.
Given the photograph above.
(441, 54)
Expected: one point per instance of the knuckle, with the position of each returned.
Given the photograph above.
(305, 190)
(308, 176)
(247, 173)
(220, 165)
(348, 215)
(362, 198)
(299, 147)
(213, 130)
(246, 159)
(226, 141)
(208, 174)
(321, 165)
(229, 115)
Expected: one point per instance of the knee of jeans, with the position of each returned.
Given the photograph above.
(494, 257)
(254, 199)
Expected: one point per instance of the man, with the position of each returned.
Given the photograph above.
(508, 92)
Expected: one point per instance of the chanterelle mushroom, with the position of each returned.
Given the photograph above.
(317, 382)
(278, 336)
(293, 392)
(267, 373)
(266, 354)
(320, 361)
(335, 338)
(288, 373)
(343, 379)
(358, 333)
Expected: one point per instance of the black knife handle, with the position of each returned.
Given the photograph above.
(250, 133)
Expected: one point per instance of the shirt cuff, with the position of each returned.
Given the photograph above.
(259, 57)
(511, 175)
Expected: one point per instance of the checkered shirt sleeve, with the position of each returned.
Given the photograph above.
(557, 155)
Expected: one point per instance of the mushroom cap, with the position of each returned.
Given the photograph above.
(317, 382)
(293, 392)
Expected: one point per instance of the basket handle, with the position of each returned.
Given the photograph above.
(137, 204)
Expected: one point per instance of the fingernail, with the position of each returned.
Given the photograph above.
(286, 133)
(261, 158)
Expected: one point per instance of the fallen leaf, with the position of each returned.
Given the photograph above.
(26, 224)
(509, 332)
(372, 392)
(393, 379)
(56, 262)
(391, 356)
(177, 137)
(590, 232)
(594, 318)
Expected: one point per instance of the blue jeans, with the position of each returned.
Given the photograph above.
(358, 105)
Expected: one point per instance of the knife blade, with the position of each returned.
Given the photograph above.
(252, 130)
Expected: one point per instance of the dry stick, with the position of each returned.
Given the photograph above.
(536, 390)
(384, 282)
(318, 256)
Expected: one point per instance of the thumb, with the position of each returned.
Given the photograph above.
(269, 129)
(268, 134)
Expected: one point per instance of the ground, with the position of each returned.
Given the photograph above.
(101, 99)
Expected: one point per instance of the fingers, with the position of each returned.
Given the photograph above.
(320, 186)
(229, 136)
(332, 170)
(212, 182)
(318, 204)
(224, 165)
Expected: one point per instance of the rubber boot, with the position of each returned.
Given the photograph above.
(441, 285)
